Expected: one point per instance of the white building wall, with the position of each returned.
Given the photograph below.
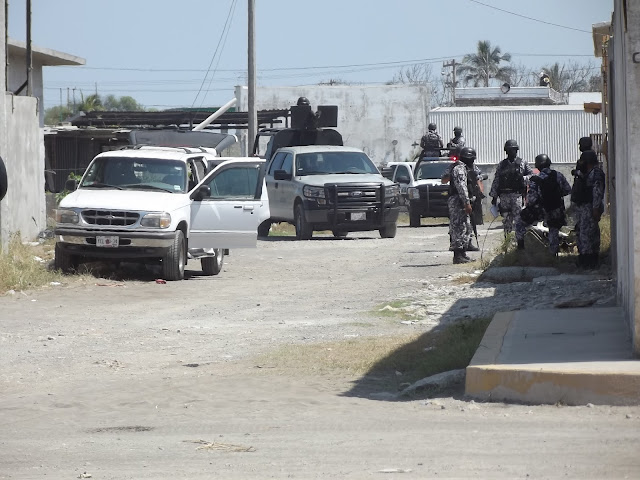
(16, 76)
(553, 130)
(382, 120)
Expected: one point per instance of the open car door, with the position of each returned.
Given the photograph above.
(228, 205)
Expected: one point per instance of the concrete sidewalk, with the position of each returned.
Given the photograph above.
(574, 356)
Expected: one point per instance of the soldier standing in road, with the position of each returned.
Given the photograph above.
(589, 200)
(431, 143)
(546, 190)
(460, 208)
(509, 186)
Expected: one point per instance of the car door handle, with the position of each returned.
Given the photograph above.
(248, 208)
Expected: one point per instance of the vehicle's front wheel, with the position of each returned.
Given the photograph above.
(388, 231)
(174, 260)
(414, 216)
(264, 228)
(64, 261)
(304, 231)
(213, 265)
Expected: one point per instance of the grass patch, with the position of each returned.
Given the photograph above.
(414, 356)
(393, 309)
(24, 266)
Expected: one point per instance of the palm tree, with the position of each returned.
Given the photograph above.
(478, 68)
(90, 104)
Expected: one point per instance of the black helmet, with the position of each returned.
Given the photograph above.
(589, 157)
(511, 144)
(467, 155)
(432, 126)
(457, 129)
(585, 143)
(543, 161)
(303, 101)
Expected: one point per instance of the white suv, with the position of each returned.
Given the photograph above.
(162, 204)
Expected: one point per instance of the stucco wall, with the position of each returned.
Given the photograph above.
(23, 209)
(16, 76)
(370, 117)
(625, 156)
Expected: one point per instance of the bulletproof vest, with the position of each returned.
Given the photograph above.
(471, 183)
(580, 192)
(432, 141)
(550, 191)
(511, 179)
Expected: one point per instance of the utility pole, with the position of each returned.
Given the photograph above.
(251, 78)
(29, 54)
(452, 64)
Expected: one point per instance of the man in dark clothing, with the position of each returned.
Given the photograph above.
(509, 186)
(589, 201)
(431, 143)
(460, 200)
(545, 193)
(457, 142)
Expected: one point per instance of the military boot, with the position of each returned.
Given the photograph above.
(471, 247)
(459, 257)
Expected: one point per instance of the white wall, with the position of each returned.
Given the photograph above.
(370, 117)
(16, 76)
(625, 155)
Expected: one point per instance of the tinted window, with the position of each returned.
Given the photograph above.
(432, 170)
(403, 170)
(276, 164)
(287, 164)
(235, 182)
(320, 163)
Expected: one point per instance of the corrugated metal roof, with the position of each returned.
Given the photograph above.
(553, 130)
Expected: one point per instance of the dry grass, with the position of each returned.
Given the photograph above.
(24, 266)
(412, 356)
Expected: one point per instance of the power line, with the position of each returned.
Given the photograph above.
(531, 18)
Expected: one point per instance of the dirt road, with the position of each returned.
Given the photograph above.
(139, 380)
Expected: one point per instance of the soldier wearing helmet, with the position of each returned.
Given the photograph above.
(457, 142)
(461, 188)
(509, 187)
(545, 196)
(431, 143)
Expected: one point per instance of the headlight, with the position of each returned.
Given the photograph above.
(413, 193)
(313, 192)
(66, 216)
(156, 220)
(391, 193)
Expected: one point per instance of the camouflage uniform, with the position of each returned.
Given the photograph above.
(460, 230)
(430, 143)
(551, 217)
(511, 196)
(588, 230)
(457, 142)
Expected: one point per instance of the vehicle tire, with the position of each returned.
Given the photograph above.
(213, 265)
(304, 231)
(4, 181)
(174, 260)
(339, 233)
(388, 231)
(263, 228)
(414, 216)
(64, 261)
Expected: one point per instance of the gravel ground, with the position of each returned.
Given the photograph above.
(133, 379)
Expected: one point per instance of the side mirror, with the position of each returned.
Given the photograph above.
(203, 192)
(281, 175)
(71, 185)
(403, 179)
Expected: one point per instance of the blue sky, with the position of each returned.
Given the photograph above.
(159, 51)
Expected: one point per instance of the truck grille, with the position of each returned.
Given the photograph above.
(110, 217)
(356, 195)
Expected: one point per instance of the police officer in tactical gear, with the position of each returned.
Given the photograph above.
(460, 200)
(431, 143)
(545, 196)
(509, 186)
(589, 202)
(457, 142)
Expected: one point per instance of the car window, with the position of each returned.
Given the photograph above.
(235, 182)
(125, 172)
(276, 164)
(287, 163)
(431, 170)
(403, 170)
(319, 163)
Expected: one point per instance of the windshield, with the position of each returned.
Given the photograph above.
(136, 173)
(432, 170)
(322, 163)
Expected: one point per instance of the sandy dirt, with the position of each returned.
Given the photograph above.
(111, 379)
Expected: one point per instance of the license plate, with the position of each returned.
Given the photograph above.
(107, 241)
(355, 216)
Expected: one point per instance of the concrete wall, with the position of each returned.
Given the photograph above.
(382, 120)
(16, 76)
(624, 156)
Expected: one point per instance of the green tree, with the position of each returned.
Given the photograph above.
(480, 67)
(57, 114)
(125, 103)
(92, 103)
(572, 77)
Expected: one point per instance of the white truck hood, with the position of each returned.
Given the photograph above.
(143, 200)
(320, 180)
